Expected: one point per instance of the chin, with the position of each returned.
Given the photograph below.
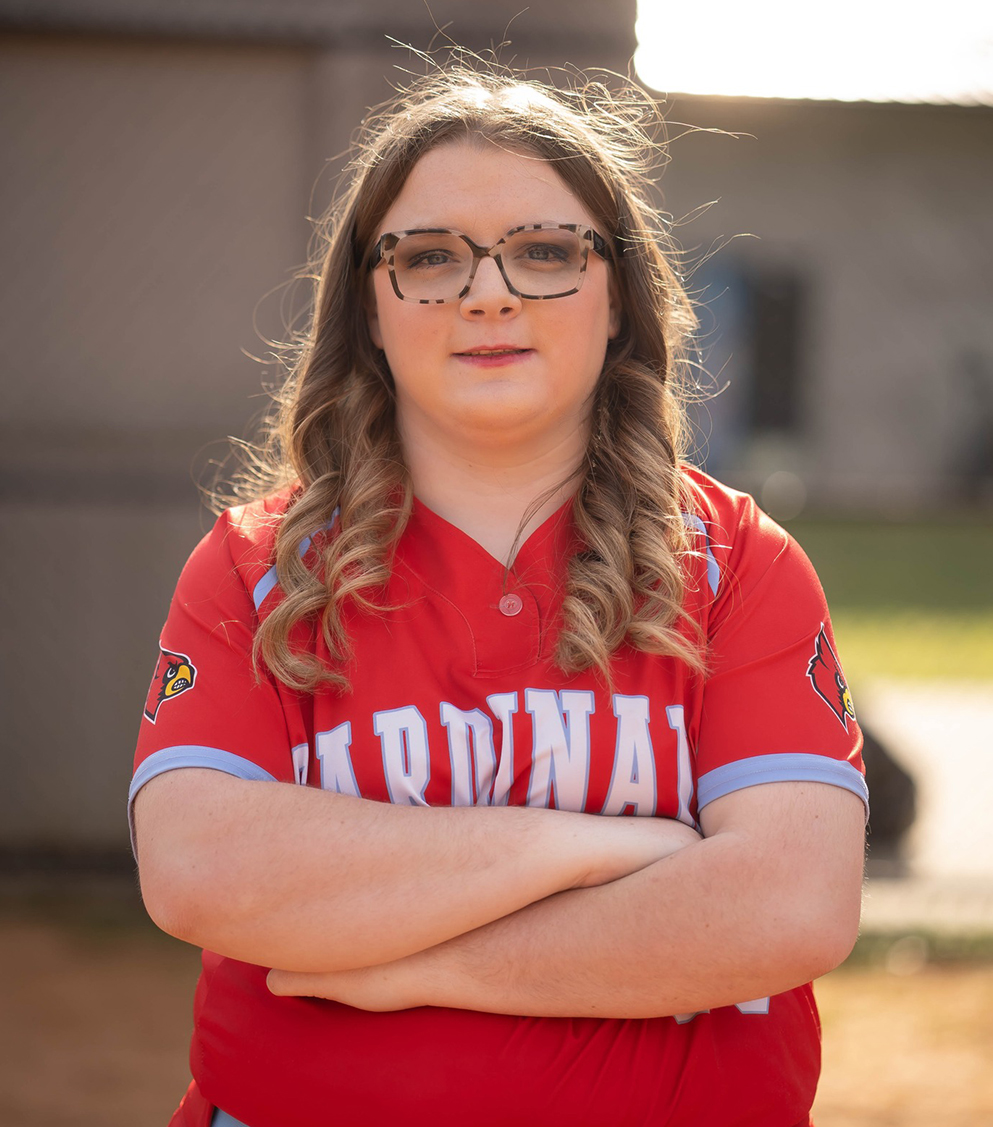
(501, 415)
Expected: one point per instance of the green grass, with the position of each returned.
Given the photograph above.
(907, 600)
(874, 567)
(873, 948)
(927, 645)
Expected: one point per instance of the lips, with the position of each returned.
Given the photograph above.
(494, 350)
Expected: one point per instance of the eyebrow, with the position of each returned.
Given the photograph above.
(437, 228)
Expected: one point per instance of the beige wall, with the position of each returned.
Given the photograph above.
(158, 192)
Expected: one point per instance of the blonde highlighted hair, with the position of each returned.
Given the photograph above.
(334, 435)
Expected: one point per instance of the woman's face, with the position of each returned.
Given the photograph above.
(536, 394)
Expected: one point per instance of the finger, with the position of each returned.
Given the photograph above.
(276, 981)
(289, 983)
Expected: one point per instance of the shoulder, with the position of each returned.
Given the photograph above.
(250, 534)
(727, 516)
(239, 551)
(738, 538)
(754, 568)
(249, 531)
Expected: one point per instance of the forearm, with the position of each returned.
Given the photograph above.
(299, 878)
(643, 946)
(726, 920)
(679, 936)
(735, 917)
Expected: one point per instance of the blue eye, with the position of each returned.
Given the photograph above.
(429, 258)
(545, 252)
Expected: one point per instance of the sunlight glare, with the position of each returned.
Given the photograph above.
(873, 50)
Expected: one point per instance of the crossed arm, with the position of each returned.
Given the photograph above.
(506, 910)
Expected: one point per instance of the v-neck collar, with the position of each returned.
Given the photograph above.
(446, 550)
(510, 612)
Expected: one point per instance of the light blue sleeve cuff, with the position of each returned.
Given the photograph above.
(191, 755)
(785, 768)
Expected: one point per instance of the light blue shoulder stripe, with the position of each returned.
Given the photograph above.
(191, 755)
(222, 1119)
(268, 581)
(264, 586)
(713, 571)
(793, 767)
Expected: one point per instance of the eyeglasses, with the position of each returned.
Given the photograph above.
(538, 261)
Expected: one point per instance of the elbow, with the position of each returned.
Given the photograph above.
(819, 936)
(176, 894)
(199, 901)
(190, 894)
(167, 908)
(838, 940)
(192, 881)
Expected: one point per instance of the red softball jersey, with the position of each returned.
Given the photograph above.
(455, 700)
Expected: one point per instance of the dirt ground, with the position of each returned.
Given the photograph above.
(96, 1015)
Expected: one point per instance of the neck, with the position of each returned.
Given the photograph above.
(488, 493)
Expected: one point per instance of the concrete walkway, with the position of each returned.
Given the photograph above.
(942, 734)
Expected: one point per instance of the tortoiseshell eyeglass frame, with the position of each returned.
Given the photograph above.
(384, 251)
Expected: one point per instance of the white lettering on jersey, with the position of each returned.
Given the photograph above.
(470, 748)
(756, 1006)
(684, 769)
(632, 783)
(403, 735)
(301, 756)
(504, 708)
(560, 764)
(335, 760)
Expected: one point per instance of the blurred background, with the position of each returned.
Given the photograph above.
(828, 179)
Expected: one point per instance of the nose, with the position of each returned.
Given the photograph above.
(488, 295)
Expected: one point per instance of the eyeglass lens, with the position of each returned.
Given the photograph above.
(431, 266)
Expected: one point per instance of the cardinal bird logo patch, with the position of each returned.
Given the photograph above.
(174, 674)
(828, 680)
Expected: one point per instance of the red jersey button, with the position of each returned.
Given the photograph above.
(510, 605)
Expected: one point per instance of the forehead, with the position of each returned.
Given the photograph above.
(483, 191)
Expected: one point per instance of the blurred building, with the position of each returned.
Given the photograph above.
(847, 305)
(161, 161)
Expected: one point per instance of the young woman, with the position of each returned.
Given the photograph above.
(516, 746)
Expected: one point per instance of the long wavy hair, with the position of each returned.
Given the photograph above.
(333, 436)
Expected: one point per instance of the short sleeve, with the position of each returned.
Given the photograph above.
(776, 706)
(205, 706)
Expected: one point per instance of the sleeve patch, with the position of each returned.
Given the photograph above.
(828, 681)
(174, 675)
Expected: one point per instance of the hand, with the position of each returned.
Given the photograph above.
(391, 986)
(626, 845)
